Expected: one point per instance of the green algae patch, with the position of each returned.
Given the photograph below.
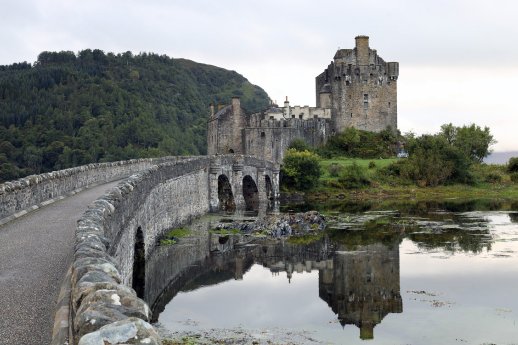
(172, 236)
(305, 239)
(233, 231)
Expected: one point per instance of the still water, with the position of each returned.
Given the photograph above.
(426, 274)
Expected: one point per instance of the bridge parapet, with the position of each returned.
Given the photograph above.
(29, 193)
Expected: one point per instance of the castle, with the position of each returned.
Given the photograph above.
(358, 89)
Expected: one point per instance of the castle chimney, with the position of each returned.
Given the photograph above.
(287, 108)
(211, 109)
(362, 50)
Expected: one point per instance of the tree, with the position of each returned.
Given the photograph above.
(299, 145)
(300, 170)
(434, 161)
(512, 165)
(68, 110)
(472, 140)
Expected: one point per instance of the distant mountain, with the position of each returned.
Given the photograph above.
(67, 109)
(500, 157)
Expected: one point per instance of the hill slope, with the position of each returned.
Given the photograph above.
(68, 109)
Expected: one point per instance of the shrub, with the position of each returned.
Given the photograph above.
(334, 169)
(353, 176)
(494, 177)
(393, 169)
(514, 177)
(372, 165)
(433, 161)
(300, 170)
(358, 143)
(299, 145)
(512, 166)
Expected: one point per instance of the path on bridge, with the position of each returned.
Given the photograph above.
(35, 253)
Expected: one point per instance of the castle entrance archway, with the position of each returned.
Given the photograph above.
(225, 196)
(250, 193)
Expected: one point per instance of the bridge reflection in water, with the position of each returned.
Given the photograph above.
(361, 284)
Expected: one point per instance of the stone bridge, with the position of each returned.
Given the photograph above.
(100, 299)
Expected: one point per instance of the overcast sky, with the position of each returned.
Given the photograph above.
(458, 58)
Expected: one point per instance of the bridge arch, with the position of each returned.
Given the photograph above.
(250, 193)
(225, 195)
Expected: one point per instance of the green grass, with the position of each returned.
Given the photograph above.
(167, 242)
(178, 232)
(343, 162)
(225, 231)
(172, 235)
(490, 181)
(305, 239)
(183, 341)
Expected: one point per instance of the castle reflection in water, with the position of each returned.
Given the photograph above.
(360, 283)
(361, 286)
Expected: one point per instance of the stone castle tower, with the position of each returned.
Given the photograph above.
(360, 88)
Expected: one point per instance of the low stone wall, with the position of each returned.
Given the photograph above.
(103, 306)
(27, 193)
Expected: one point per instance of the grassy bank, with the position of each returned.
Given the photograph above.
(491, 181)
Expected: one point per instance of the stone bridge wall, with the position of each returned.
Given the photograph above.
(28, 193)
(103, 305)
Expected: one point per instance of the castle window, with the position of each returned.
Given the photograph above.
(365, 105)
(263, 135)
(365, 97)
(389, 105)
(271, 117)
(292, 116)
(351, 114)
(300, 116)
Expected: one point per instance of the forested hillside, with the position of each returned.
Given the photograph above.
(71, 109)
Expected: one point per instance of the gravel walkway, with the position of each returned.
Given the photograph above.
(35, 253)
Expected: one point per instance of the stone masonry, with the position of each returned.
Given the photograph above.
(358, 89)
(104, 306)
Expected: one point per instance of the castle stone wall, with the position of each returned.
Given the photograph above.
(271, 138)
